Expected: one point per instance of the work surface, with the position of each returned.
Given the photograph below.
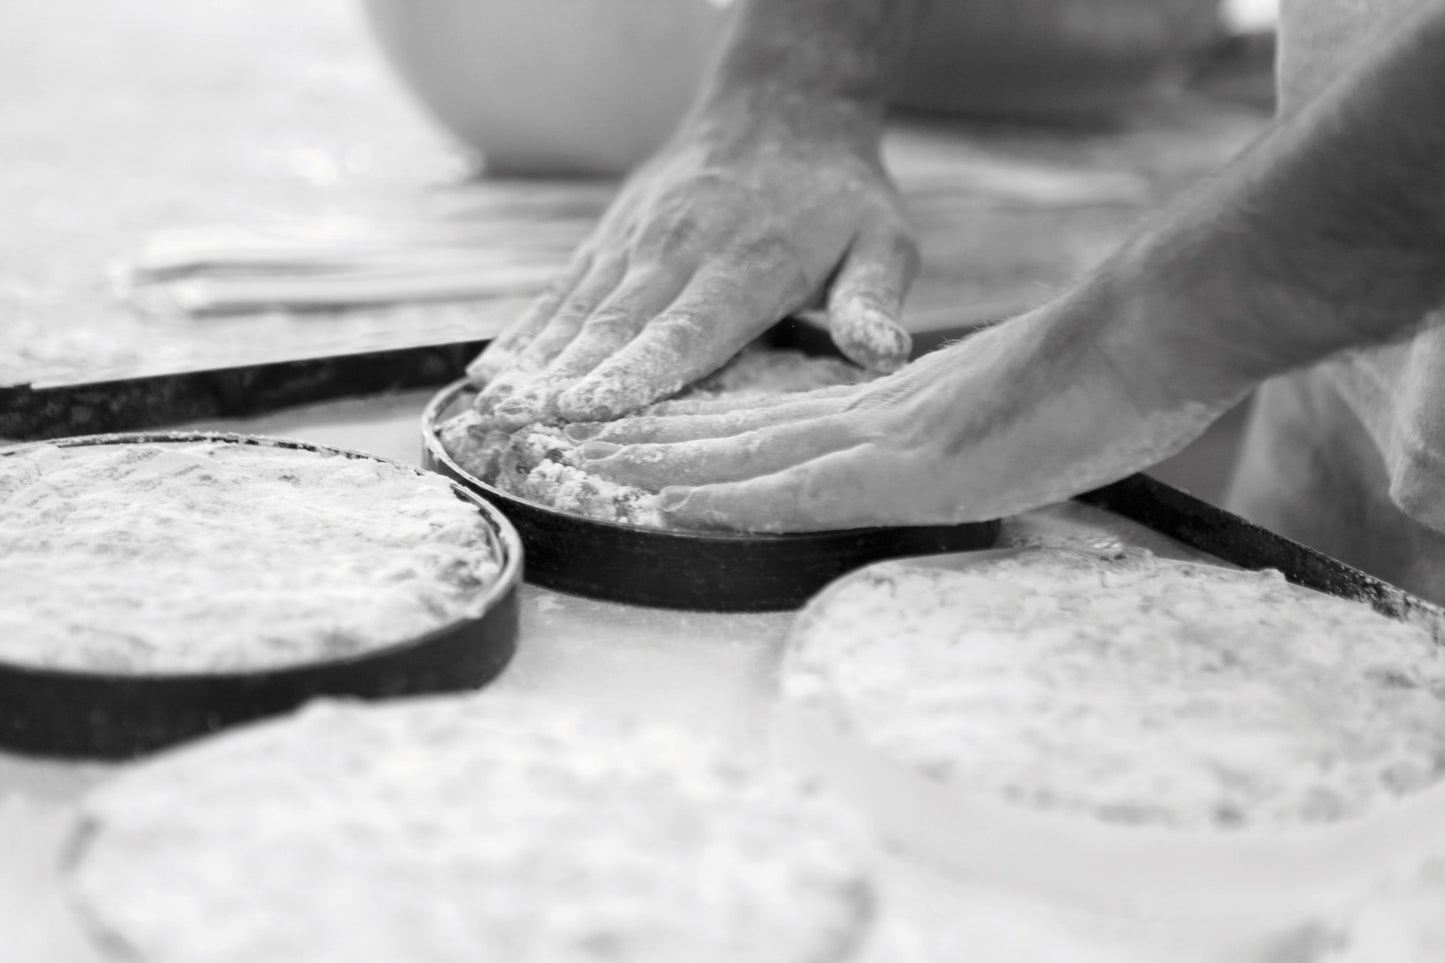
(713, 673)
(117, 120)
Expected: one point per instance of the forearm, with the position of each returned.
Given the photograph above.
(826, 66)
(1328, 233)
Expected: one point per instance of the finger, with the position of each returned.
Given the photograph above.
(605, 273)
(865, 300)
(843, 489)
(711, 460)
(719, 404)
(641, 295)
(517, 335)
(601, 280)
(672, 428)
(695, 335)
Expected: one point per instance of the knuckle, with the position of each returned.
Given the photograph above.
(556, 289)
(779, 264)
(571, 313)
(816, 492)
(669, 235)
(700, 182)
(879, 435)
(680, 326)
(769, 250)
(611, 322)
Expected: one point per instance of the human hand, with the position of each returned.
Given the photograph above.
(1027, 413)
(713, 241)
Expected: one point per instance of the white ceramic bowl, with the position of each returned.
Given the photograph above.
(545, 87)
(552, 86)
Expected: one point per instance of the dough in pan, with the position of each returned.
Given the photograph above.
(538, 463)
(202, 557)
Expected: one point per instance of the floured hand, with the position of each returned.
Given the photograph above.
(1027, 413)
(1284, 259)
(716, 239)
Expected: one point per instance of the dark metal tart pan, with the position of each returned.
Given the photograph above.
(109, 715)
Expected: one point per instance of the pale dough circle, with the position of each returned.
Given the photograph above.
(1129, 688)
(453, 830)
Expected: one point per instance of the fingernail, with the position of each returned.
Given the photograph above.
(582, 431)
(671, 499)
(875, 341)
(594, 450)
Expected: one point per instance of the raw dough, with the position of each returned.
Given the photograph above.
(1132, 688)
(459, 830)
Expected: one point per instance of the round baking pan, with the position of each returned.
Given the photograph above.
(716, 571)
(54, 711)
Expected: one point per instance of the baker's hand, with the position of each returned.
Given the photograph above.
(1027, 413)
(714, 240)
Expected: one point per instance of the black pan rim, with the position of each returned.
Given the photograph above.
(503, 534)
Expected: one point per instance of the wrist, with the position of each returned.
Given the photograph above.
(822, 70)
(1175, 323)
(766, 111)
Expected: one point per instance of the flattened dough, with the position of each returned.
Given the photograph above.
(1134, 689)
(457, 830)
